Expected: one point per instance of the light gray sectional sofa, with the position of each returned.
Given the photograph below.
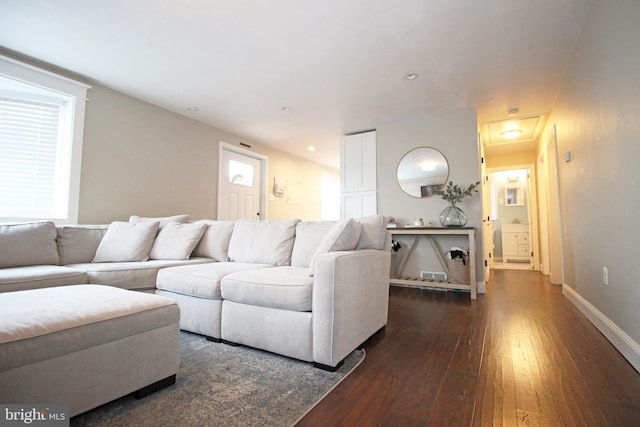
(311, 290)
(41, 254)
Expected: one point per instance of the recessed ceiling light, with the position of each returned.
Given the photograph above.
(286, 109)
(311, 148)
(193, 109)
(410, 76)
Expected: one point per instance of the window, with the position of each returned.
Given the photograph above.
(41, 126)
(330, 196)
(241, 173)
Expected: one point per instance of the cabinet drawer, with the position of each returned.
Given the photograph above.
(523, 237)
(523, 250)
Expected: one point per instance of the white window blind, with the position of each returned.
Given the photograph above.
(29, 157)
(41, 130)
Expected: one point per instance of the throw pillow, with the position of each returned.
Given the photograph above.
(343, 236)
(28, 244)
(125, 242)
(374, 232)
(135, 219)
(177, 241)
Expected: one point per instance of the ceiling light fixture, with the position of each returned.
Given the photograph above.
(428, 166)
(286, 109)
(410, 76)
(511, 133)
(513, 111)
(311, 148)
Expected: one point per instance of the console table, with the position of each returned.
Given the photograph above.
(430, 233)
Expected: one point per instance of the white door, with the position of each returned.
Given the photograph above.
(239, 186)
(487, 234)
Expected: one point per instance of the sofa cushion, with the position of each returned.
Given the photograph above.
(131, 275)
(343, 236)
(78, 243)
(374, 232)
(135, 219)
(176, 240)
(31, 243)
(286, 288)
(215, 241)
(41, 324)
(201, 281)
(263, 242)
(309, 234)
(126, 241)
(39, 276)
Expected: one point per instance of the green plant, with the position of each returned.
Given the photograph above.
(453, 193)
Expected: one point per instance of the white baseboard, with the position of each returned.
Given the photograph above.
(619, 338)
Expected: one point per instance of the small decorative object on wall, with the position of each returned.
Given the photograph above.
(453, 216)
(279, 186)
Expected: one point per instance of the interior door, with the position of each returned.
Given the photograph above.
(239, 188)
(487, 232)
(513, 211)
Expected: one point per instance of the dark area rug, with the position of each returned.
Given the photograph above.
(221, 385)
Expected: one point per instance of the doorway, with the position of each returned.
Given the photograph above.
(242, 184)
(513, 217)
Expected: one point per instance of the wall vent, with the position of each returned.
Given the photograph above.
(433, 275)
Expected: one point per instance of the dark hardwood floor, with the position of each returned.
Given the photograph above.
(521, 355)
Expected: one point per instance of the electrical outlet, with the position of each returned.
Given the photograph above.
(605, 275)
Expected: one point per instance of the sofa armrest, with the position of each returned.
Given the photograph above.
(350, 301)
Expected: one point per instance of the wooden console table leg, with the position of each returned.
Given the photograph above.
(405, 256)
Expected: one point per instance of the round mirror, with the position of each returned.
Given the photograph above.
(422, 172)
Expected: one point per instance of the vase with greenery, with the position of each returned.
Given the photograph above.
(453, 216)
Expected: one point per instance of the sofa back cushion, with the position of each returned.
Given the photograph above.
(309, 234)
(264, 242)
(32, 243)
(215, 241)
(77, 244)
(126, 242)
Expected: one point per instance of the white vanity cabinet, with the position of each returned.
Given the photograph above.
(515, 242)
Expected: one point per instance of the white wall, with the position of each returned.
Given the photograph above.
(597, 114)
(139, 159)
(455, 135)
(303, 186)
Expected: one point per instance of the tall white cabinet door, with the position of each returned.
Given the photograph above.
(358, 162)
(357, 204)
(358, 175)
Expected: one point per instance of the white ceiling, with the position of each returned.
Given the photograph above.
(339, 64)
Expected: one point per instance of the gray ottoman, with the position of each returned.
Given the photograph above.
(85, 345)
